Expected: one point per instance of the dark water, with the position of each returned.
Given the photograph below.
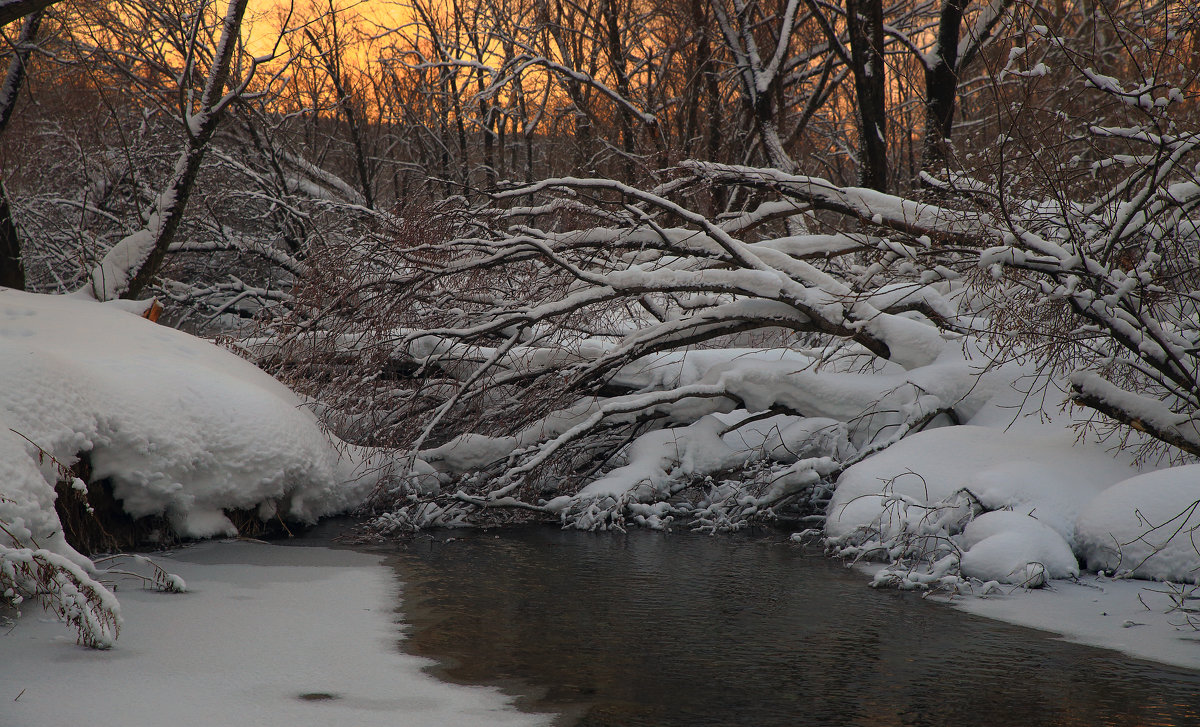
(652, 629)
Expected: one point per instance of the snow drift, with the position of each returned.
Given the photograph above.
(1020, 506)
(182, 428)
(1146, 526)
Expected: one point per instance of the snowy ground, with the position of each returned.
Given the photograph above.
(182, 428)
(259, 627)
(1134, 617)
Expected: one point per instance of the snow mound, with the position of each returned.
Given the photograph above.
(1146, 526)
(1029, 472)
(1011, 547)
(183, 428)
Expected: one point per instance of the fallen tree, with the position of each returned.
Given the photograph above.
(590, 351)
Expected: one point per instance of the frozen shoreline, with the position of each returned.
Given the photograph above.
(1101, 612)
(260, 627)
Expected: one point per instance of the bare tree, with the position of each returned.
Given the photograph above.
(128, 268)
(521, 353)
(944, 65)
(329, 53)
(864, 18)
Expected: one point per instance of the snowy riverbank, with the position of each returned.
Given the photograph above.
(1140, 619)
(1012, 516)
(186, 430)
(264, 636)
(181, 430)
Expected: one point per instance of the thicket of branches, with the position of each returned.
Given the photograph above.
(563, 256)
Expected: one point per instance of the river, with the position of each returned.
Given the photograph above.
(645, 628)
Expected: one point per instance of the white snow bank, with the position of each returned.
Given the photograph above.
(1147, 526)
(1011, 547)
(683, 368)
(182, 427)
(657, 456)
(1038, 472)
(259, 627)
(1048, 503)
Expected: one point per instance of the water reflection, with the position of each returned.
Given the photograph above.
(647, 629)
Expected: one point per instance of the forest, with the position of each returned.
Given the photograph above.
(610, 263)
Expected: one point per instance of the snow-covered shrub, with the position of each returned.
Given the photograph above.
(61, 586)
(1084, 239)
(1094, 241)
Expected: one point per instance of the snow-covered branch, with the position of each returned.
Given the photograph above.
(582, 320)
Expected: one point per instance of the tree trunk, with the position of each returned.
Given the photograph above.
(864, 19)
(11, 10)
(941, 87)
(332, 60)
(616, 61)
(12, 270)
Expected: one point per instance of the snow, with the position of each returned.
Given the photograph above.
(1038, 472)
(1146, 527)
(1011, 547)
(656, 456)
(1014, 515)
(683, 368)
(112, 275)
(184, 428)
(912, 343)
(1136, 618)
(786, 438)
(260, 626)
